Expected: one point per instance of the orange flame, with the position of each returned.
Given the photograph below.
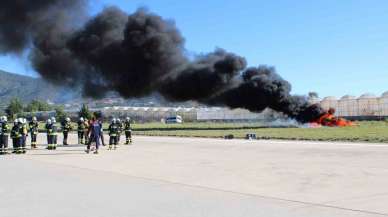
(329, 120)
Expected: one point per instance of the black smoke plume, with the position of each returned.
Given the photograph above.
(135, 55)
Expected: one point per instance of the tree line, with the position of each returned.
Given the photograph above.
(16, 108)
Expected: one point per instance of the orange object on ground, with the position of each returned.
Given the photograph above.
(329, 120)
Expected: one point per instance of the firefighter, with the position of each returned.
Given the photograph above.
(54, 133)
(34, 128)
(66, 128)
(16, 137)
(120, 129)
(46, 127)
(49, 129)
(81, 130)
(128, 131)
(4, 134)
(86, 131)
(24, 133)
(94, 134)
(113, 134)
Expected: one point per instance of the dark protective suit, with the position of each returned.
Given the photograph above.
(81, 132)
(66, 128)
(113, 135)
(34, 128)
(128, 132)
(51, 136)
(95, 135)
(24, 133)
(4, 135)
(16, 138)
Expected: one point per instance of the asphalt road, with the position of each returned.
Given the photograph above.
(176, 177)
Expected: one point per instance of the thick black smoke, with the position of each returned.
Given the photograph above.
(204, 78)
(263, 88)
(136, 55)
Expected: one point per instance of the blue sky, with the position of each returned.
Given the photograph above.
(329, 46)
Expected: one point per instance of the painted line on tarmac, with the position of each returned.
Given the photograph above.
(305, 203)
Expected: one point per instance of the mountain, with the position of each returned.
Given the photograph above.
(26, 88)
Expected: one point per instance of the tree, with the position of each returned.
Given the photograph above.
(37, 105)
(85, 112)
(14, 108)
(60, 114)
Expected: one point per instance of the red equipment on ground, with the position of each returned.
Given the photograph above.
(329, 120)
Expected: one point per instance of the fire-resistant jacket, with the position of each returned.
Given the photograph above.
(15, 132)
(66, 126)
(113, 130)
(4, 129)
(127, 126)
(34, 127)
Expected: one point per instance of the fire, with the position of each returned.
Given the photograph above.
(330, 120)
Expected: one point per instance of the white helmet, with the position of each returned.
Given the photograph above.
(114, 120)
(34, 119)
(5, 118)
(128, 118)
(118, 120)
(48, 121)
(81, 119)
(68, 119)
(16, 121)
(24, 120)
(20, 120)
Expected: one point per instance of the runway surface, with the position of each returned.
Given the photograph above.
(163, 177)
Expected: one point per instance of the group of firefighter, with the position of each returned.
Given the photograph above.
(90, 133)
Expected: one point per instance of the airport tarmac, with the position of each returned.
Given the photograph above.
(193, 177)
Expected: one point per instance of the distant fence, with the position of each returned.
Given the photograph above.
(366, 107)
(156, 114)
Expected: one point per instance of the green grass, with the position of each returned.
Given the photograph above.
(367, 131)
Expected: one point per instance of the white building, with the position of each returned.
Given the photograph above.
(364, 106)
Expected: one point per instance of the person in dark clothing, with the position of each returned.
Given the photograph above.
(128, 131)
(94, 135)
(34, 127)
(113, 134)
(24, 133)
(66, 128)
(50, 138)
(4, 135)
(81, 130)
(46, 127)
(16, 137)
(54, 133)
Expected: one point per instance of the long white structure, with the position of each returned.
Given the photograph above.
(363, 106)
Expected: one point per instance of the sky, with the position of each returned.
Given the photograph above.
(328, 46)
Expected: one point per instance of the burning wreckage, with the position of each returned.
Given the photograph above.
(328, 119)
(138, 54)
